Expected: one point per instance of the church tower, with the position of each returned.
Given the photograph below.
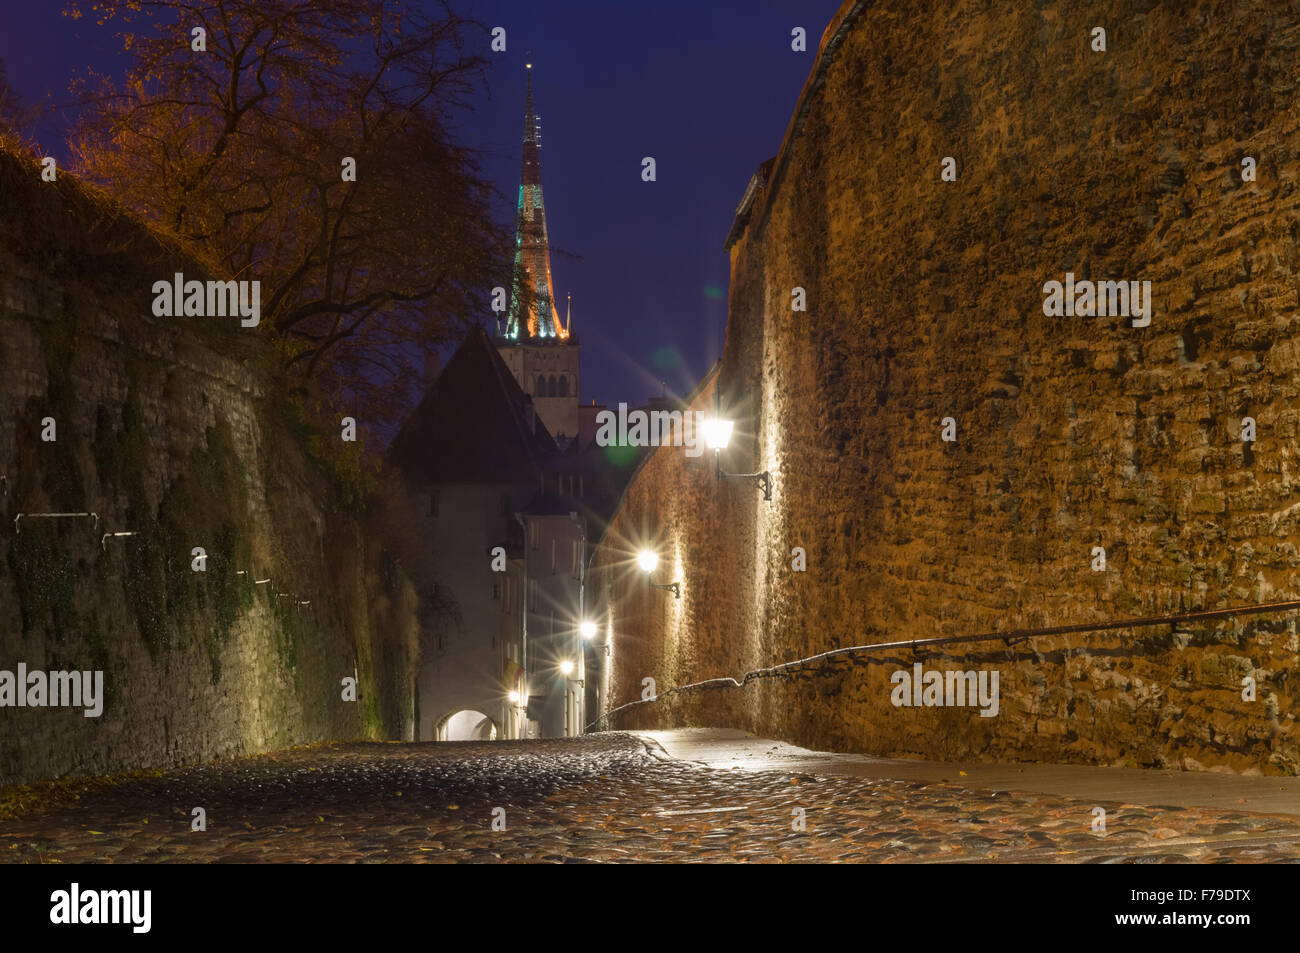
(541, 352)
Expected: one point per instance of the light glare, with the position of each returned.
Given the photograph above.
(717, 432)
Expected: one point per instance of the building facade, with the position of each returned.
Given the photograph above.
(512, 503)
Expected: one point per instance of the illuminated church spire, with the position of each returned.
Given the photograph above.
(532, 249)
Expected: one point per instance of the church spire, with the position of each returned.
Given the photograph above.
(532, 248)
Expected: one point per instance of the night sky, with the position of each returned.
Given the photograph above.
(707, 89)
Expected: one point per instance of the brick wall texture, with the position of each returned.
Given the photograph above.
(925, 301)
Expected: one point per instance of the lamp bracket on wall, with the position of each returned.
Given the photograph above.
(674, 587)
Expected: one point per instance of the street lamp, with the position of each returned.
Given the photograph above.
(588, 629)
(566, 667)
(648, 560)
(717, 434)
(514, 698)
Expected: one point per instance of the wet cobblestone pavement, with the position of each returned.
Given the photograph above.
(601, 798)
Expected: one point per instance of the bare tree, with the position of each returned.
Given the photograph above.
(239, 151)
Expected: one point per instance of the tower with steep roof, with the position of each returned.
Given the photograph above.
(541, 352)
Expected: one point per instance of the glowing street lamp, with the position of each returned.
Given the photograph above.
(648, 560)
(514, 698)
(566, 667)
(587, 629)
(717, 434)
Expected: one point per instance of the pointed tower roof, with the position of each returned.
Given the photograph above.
(532, 245)
(474, 425)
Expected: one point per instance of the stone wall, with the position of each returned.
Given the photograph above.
(175, 429)
(925, 301)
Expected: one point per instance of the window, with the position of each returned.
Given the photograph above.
(552, 389)
(540, 390)
(564, 385)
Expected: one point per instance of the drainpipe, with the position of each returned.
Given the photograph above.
(523, 638)
(582, 617)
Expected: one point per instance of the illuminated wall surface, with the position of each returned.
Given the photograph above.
(168, 434)
(924, 301)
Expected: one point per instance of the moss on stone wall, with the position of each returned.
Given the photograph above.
(175, 432)
(45, 578)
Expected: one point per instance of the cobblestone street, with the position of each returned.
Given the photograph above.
(601, 798)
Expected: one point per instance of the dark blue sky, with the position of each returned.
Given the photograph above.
(706, 88)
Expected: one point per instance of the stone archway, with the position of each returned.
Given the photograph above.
(468, 724)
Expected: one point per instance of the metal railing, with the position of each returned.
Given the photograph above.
(52, 516)
(1014, 637)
